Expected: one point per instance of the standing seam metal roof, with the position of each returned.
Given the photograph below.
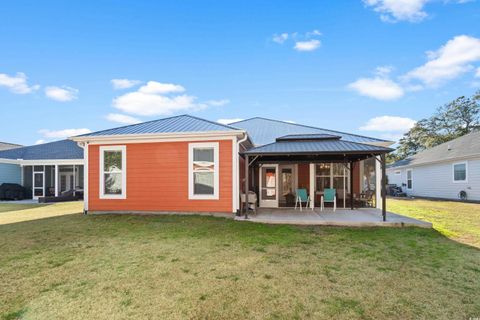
(263, 131)
(176, 124)
(63, 149)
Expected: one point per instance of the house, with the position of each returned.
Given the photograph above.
(46, 169)
(9, 172)
(189, 164)
(443, 171)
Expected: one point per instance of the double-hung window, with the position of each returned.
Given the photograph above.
(113, 168)
(203, 170)
(409, 179)
(460, 172)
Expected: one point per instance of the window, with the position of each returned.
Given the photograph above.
(460, 172)
(203, 171)
(113, 165)
(409, 179)
(398, 172)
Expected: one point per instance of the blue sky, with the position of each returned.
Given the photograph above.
(370, 67)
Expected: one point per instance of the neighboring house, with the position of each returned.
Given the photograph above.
(188, 164)
(46, 169)
(9, 172)
(442, 171)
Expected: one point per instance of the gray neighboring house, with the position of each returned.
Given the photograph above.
(46, 169)
(442, 171)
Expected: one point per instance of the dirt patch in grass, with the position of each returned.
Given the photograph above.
(179, 267)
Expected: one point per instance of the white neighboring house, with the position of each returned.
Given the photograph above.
(442, 171)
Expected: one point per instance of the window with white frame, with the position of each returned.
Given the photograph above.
(203, 170)
(409, 179)
(398, 172)
(113, 166)
(460, 172)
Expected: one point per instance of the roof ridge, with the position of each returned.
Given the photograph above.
(212, 122)
(308, 126)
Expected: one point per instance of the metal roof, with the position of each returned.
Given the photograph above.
(263, 131)
(182, 123)
(316, 147)
(299, 137)
(465, 146)
(63, 149)
(7, 145)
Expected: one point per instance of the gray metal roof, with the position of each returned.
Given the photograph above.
(263, 131)
(317, 136)
(7, 145)
(182, 123)
(63, 149)
(465, 146)
(316, 147)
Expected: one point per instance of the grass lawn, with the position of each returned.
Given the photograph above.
(145, 267)
(459, 221)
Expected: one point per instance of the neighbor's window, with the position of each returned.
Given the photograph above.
(409, 179)
(113, 172)
(203, 170)
(460, 172)
(398, 172)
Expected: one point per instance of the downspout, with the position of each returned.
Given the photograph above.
(237, 174)
(84, 146)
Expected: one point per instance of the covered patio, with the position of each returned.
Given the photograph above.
(315, 162)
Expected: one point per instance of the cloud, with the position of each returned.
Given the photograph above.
(17, 84)
(121, 118)
(40, 141)
(380, 88)
(477, 73)
(154, 87)
(119, 84)
(65, 133)
(280, 38)
(388, 124)
(309, 45)
(62, 94)
(450, 61)
(228, 121)
(218, 103)
(313, 33)
(398, 10)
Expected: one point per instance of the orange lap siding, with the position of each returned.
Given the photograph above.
(157, 179)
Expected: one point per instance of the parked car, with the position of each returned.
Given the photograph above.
(13, 191)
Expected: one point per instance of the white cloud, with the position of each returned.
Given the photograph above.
(17, 84)
(378, 87)
(398, 10)
(218, 103)
(280, 38)
(119, 84)
(477, 73)
(313, 33)
(154, 87)
(228, 121)
(122, 118)
(450, 61)
(40, 141)
(62, 94)
(309, 45)
(383, 71)
(289, 121)
(389, 123)
(65, 133)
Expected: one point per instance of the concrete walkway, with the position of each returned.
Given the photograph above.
(26, 201)
(365, 217)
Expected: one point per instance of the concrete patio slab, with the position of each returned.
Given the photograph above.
(25, 201)
(365, 217)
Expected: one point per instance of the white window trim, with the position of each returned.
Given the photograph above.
(123, 195)
(411, 175)
(191, 147)
(466, 172)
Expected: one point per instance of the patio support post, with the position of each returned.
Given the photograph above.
(245, 207)
(384, 187)
(351, 184)
(56, 180)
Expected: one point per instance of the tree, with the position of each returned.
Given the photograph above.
(450, 121)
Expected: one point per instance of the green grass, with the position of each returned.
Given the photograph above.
(457, 220)
(177, 267)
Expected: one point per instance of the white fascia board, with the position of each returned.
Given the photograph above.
(473, 156)
(9, 161)
(47, 162)
(160, 137)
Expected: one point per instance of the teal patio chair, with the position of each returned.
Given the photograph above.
(329, 196)
(302, 196)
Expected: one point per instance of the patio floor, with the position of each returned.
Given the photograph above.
(365, 217)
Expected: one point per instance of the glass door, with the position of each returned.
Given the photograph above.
(287, 186)
(38, 182)
(269, 186)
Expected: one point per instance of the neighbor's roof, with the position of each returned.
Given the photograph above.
(63, 149)
(177, 124)
(465, 146)
(263, 131)
(7, 145)
(320, 146)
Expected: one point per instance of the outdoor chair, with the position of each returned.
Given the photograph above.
(329, 196)
(252, 201)
(302, 196)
